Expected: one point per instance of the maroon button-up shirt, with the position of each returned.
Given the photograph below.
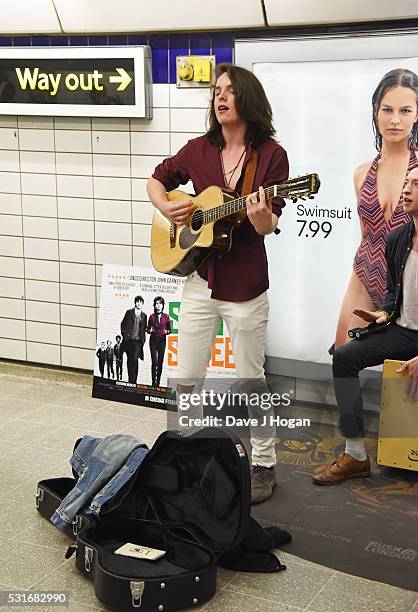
(240, 274)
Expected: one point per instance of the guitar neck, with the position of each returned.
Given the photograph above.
(234, 206)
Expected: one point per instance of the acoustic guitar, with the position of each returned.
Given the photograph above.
(181, 249)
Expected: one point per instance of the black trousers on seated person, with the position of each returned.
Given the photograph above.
(393, 342)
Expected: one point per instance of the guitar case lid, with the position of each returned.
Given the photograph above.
(197, 485)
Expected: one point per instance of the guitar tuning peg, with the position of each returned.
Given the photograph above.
(311, 197)
(294, 200)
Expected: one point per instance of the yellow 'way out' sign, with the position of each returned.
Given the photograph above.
(76, 81)
(86, 81)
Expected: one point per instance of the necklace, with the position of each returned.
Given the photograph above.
(231, 172)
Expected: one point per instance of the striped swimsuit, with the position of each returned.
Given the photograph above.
(369, 261)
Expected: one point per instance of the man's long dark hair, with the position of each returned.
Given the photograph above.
(251, 104)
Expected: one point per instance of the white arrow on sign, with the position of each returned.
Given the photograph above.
(123, 79)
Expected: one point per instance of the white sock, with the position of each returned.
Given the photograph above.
(355, 447)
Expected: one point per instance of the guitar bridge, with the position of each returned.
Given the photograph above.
(173, 231)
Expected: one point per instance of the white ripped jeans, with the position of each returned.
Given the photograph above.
(247, 323)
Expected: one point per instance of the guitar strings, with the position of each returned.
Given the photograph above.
(231, 207)
(299, 186)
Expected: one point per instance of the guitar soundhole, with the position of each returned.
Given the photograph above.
(196, 220)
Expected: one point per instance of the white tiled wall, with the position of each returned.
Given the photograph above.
(72, 197)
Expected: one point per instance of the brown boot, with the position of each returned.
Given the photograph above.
(343, 468)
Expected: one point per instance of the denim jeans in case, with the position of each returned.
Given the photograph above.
(103, 466)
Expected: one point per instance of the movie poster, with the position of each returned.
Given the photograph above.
(136, 354)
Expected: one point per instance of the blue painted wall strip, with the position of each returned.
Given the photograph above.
(165, 47)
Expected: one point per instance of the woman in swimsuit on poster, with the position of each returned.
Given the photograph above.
(378, 185)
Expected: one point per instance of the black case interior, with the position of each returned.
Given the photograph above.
(188, 490)
(190, 497)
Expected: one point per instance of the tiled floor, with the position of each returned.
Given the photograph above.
(42, 413)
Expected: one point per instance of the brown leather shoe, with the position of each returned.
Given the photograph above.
(318, 470)
(343, 468)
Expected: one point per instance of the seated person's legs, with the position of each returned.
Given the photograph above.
(393, 342)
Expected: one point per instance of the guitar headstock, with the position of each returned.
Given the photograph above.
(299, 188)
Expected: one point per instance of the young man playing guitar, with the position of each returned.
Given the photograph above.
(232, 286)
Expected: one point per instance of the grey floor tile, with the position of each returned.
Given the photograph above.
(11, 479)
(156, 416)
(32, 554)
(43, 392)
(6, 371)
(316, 391)
(17, 408)
(25, 564)
(80, 397)
(42, 533)
(295, 586)
(325, 415)
(30, 457)
(43, 373)
(19, 517)
(62, 468)
(9, 384)
(64, 438)
(229, 601)
(8, 456)
(224, 577)
(146, 431)
(21, 431)
(280, 384)
(25, 493)
(129, 410)
(345, 593)
(68, 578)
(194, 607)
(289, 560)
(107, 423)
(73, 606)
(6, 587)
(54, 414)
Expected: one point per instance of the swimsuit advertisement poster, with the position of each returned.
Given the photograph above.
(136, 352)
(320, 92)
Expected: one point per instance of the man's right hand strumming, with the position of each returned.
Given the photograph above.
(178, 212)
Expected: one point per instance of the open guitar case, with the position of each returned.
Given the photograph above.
(190, 498)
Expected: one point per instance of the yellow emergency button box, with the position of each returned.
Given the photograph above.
(195, 70)
(186, 71)
(201, 71)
